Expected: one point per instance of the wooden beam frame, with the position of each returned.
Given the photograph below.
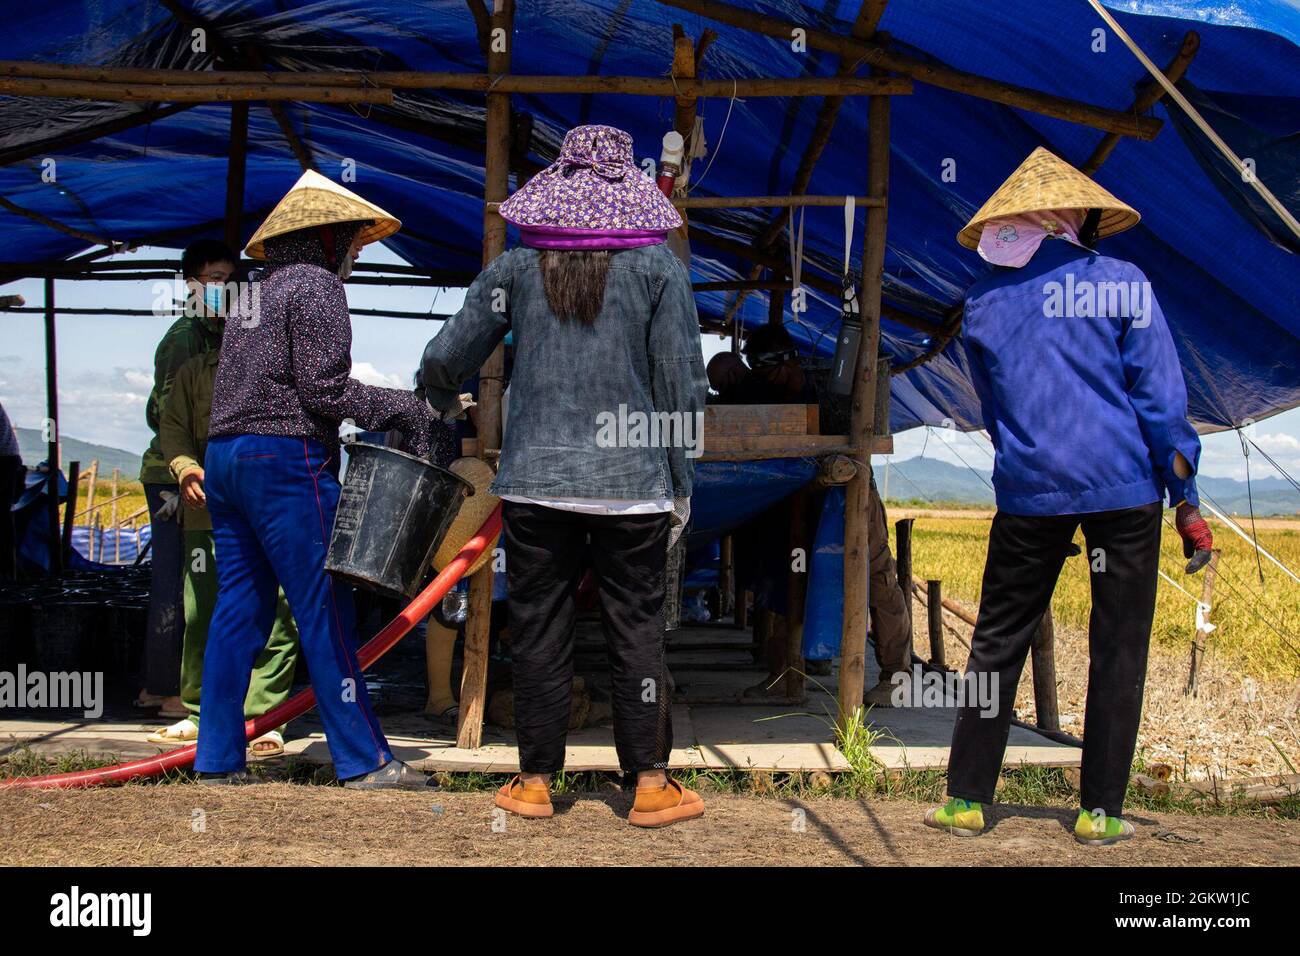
(857, 544)
(496, 186)
(213, 86)
(924, 71)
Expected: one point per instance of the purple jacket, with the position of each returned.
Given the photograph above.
(286, 357)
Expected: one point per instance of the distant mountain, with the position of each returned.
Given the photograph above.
(934, 480)
(33, 449)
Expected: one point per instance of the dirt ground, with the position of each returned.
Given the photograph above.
(287, 824)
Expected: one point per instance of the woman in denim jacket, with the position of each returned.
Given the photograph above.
(606, 415)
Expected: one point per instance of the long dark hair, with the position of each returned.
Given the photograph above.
(574, 280)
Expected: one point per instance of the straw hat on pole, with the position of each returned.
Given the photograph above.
(1045, 182)
(317, 201)
(474, 510)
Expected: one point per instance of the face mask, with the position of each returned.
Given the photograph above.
(213, 296)
(345, 269)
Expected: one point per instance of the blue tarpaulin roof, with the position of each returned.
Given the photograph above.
(1222, 265)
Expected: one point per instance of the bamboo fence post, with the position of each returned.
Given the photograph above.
(70, 510)
(496, 186)
(1043, 654)
(92, 477)
(903, 560)
(1198, 642)
(934, 614)
(117, 533)
(853, 637)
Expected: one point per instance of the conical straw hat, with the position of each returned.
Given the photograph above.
(1045, 182)
(317, 201)
(474, 510)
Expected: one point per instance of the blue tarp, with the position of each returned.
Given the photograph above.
(1222, 265)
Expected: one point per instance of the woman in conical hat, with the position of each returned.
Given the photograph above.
(282, 390)
(606, 341)
(1083, 398)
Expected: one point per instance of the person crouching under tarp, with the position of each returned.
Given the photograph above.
(1083, 398)
(271, 475)
(604, 328)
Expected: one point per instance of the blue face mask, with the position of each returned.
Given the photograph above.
(213, 297)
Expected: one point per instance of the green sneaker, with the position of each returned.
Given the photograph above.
(957, 816)
(1100, 830)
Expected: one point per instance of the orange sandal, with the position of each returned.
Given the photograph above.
(527, 800)
(655, 814)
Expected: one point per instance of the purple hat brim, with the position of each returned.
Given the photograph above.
(586, 200)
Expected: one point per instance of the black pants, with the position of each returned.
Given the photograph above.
(545, 552)
(1024, 559)
(165, 628)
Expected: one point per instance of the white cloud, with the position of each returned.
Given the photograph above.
(367, 373)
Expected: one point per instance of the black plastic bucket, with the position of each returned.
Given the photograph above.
(394, 511)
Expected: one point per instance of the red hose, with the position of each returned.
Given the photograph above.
(300, 703)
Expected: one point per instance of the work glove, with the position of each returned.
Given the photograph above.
(171, 502)
(464, 402)
(677, 519)
(1198, 541)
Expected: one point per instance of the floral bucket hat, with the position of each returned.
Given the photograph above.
(593, 197)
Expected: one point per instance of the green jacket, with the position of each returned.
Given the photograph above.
(183, 430)
(189, 336)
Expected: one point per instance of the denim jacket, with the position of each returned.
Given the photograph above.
(614, 409)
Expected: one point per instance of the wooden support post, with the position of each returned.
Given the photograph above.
(1043, 655)
(1198, 641)
(496, 186)
(70, 510)
(853, 637)
(742, 609)
(117, 533)
(797, 594)
(726, 577)
(236, 165)
(903, 560)
(934, 607)
(52, 429)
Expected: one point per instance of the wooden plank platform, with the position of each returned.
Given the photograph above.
(708, 735)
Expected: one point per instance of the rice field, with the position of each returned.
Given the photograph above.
(1257, 625)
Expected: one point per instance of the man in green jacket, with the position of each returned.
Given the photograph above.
(183, 434)
(206, 266)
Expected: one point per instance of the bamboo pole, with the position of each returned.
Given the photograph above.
(52, 428)
(853, 637)
(928, 71)
(903, 561)
(496, 186)
(759, 202)
(117, 534)
(1148, 96)
(864, 27)
(236, 167)
(1198, 641)
(726, 577)
(182, 86)
(1043, 656)
(70, 510)
(934, 616)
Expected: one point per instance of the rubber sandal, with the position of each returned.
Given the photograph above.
(522, 799)
(182, 732)
(393, 775)
(270, 737)
(688, 806)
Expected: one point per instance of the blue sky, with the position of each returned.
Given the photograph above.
(105, 369)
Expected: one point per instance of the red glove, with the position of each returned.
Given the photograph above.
(1198, 541)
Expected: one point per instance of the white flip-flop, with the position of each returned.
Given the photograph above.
(271, 736)
(182, 732)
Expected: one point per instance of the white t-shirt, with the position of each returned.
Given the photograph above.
(598, 506)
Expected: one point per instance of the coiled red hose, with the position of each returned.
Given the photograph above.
(300, 703)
